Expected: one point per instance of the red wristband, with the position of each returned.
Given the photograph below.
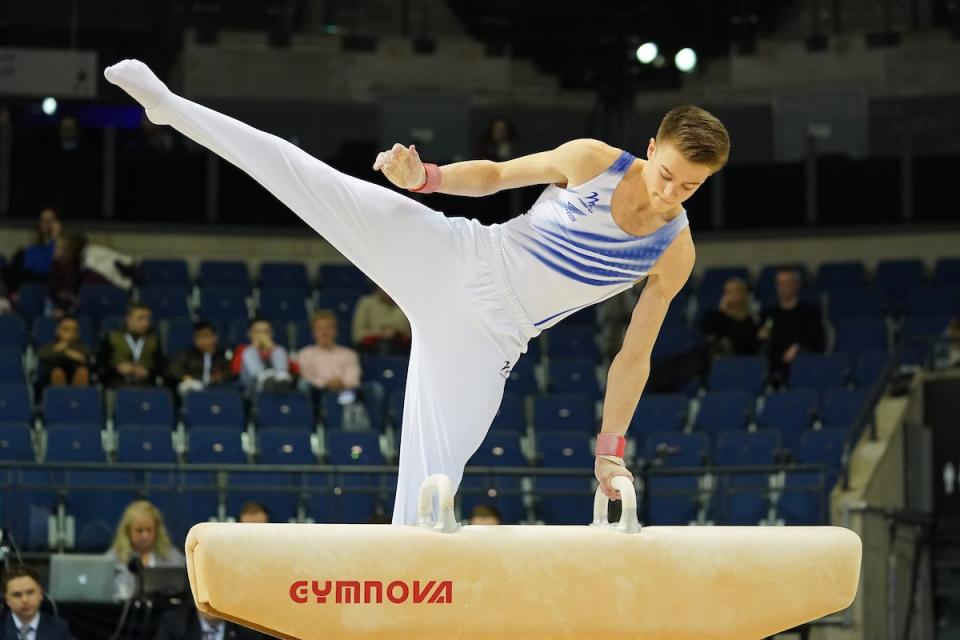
(432, 181)
(611, 444)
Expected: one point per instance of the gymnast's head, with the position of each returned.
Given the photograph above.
(691, 145)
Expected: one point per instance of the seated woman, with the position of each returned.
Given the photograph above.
(731, 328)
(141, 541)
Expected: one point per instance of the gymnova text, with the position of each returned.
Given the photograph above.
(372, 591)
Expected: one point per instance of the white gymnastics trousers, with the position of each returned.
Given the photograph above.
(446, 274)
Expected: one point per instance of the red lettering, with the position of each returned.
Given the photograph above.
(443, 594)
(404, 590)
(321, 593)
(372, 585)
(348, 592)
(298, 591)
(418, 595)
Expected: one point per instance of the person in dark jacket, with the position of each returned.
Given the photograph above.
(201, 365)
(23, 619)
(790, 326)
(186, 623)
(131, 356)
(66, 360)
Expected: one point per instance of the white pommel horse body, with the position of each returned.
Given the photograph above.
(439, 580)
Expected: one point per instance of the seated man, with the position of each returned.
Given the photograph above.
(131, 356)
(23, 620)
(201, 365)
(325, 365)
(790, 326)
(262, 365)
(66, 360)
(379, 325)
(186, 623)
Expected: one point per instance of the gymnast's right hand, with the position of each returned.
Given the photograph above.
(402, 166)
(606, 468)
(140, 82)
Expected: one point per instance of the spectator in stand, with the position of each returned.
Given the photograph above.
(66, 273)
(66, 360)
(5, 306)
(141, 540)
(187, 623)
(379, 326)
(33, 263)
(499, 141)
(254, 512)
(262, 364)
(325, 365)
(23, 619)
(731, 328)
(131, 356)
(485, 514)
(202, 365)
(790, 326)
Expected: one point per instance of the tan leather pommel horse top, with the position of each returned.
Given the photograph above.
(439, 580)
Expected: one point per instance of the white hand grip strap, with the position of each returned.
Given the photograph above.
(629, 522)
(437, 485)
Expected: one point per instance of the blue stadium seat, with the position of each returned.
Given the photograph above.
(932, 301)
(924, 326)
(203, 504)
(738, 373)
(564, 499)
(789, 412)
(354, 415)
(823, 446)
(74, 444)
(510, 415)
(15, 404)
(498, 449)
(573, 376)
(870, 365)
(898, 277)
(13, 332)
(671, 500)
(215, 445)
(673, 341)
(98, 301)
(724, 411)
(285, 446)
(226, 273)
(523, 380)
(342, 276)
(27, 508)
(842, 406)
(564, 412)
(283, 305)
(573, 341)
(144, 407)
(745, 496)
(238, 331)
(15, 442)
(178, 336)
(166, 302)
(356, 501)
(841, 275)
(289, 410)
(805, 498)
(855, 303)
(395, 408)
(11, 366)
(113, 322)
(388, 371)
(586, 317)
(96, 500)
(224, 303)
(856, 335)
(165, 273)
(678, 310)
(31, 300)
(145, 444)
(214, 409)
(947, 272)
(675, 449)
(73, 406)
(45, 331)
(660, 412)
(284, 275)
(819, 372)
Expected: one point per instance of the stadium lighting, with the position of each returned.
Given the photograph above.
(49, 106)
(686, 60)
(647, 52)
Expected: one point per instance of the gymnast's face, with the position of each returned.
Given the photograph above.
(670, 178)
(143, 533)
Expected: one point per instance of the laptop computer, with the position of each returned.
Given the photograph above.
(81, 578)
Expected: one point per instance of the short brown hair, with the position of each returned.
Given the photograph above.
(20, 571)
(697, 134)
(252, 507)
(322, 314)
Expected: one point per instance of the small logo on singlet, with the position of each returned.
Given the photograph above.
(505, 370)
(590, 201)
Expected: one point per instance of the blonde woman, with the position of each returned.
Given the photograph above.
(141, 541)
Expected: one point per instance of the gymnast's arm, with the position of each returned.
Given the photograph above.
(630, 368)
(573, 162)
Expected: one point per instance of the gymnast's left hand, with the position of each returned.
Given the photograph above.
(402, 166)
(606, 470)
